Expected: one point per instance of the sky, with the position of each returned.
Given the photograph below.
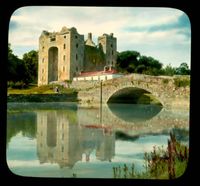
(162, 33)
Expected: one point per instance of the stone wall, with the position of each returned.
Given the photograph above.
(162, 87)
(64, 55)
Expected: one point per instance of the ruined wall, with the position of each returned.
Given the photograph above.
(94, 59)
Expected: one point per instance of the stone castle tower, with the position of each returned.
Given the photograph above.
(64, 55)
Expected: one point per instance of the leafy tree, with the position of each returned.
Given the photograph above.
(127, 61)
(133, 62)
(183, 69)
(22, 71)
(149, 66)
(31, 63)
(16, 67)
(169, 70)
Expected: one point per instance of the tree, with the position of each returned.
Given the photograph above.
(16, 67)
(149, 65)
(127, 61)
(183, 69)
(169, 70)
(31, 63)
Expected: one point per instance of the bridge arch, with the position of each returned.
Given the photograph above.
(134, 95)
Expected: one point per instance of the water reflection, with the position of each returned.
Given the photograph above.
(61, 141)
(69, 137)
(134, 112)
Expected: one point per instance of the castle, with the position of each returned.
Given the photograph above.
(64, 55)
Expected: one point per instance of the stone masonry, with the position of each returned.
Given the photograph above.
(64, 55)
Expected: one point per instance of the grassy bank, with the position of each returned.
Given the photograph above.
(46, 89)
(45, 93)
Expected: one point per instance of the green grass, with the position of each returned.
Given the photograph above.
(46, 89)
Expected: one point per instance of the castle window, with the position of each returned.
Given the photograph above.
(64, 46)
(64, 57)
(63, 68)
(111, 45)
(76, 45)
(65, 37)
(42, 70)
(52, 39)
(76, 36)
(76, 57)
(112, 52)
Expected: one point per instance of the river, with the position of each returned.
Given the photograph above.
(67, 140)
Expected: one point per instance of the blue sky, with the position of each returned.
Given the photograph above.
(163, 33)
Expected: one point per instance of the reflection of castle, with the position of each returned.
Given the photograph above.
(61, 140)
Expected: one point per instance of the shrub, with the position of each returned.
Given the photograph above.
(181, 82)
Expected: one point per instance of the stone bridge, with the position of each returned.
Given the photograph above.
(166, 89)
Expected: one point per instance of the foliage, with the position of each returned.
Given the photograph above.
(181, 81)
(31, 63)
(21, 72)
(169, 70)
(94, 55)
(160, 164)
(133, 62)
(183, 69)
(26, 123)
(127, 61)
(16, 67)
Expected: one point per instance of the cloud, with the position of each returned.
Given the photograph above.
(147, 29)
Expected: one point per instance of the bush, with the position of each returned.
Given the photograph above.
(17, 85)
(181, 82)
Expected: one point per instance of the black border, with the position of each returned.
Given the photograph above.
(9, 6)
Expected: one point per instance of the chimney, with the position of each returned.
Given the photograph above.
(90, 36)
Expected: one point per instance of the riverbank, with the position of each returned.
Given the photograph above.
(64, 97)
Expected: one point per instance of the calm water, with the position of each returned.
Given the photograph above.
(63, 139)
